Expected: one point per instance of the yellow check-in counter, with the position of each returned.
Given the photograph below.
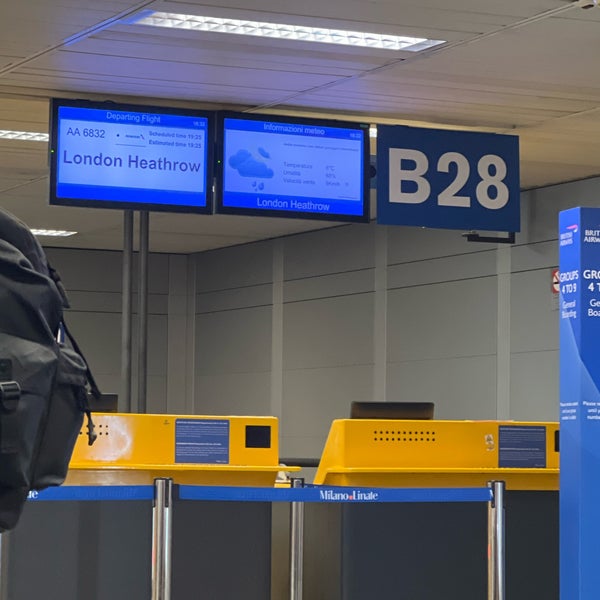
(430, 550)
(135, 449)
(432, 453)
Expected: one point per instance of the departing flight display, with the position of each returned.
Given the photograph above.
(125, 156)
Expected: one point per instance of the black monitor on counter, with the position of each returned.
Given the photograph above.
(281, 166)
(111, 155)
(392, 410)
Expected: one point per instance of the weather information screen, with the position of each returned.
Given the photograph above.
(106, 156)
(281, 168)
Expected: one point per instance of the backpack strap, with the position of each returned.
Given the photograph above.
(59, 285)
(95, 392)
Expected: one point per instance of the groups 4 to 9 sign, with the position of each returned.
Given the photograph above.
(447, 179)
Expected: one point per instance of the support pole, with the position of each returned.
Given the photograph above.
(126, 317)
(143, 311)
(296, 544)
(162, 539)
(496, 542)
(4, 543)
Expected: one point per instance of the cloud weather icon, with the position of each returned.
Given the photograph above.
(247, 166)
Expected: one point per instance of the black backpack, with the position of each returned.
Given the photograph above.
(44, 379)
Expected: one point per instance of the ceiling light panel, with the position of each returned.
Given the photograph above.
(284, 32)
(23, 136)
(52, 232)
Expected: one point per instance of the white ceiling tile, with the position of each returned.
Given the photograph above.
(526, 67)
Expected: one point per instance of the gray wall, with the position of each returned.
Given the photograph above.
(93, 282)
(299, 327)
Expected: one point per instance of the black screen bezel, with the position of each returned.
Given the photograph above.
(285, 214)
(55, 200)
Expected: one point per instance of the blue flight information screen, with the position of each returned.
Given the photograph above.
(113, 157)
(293, 169)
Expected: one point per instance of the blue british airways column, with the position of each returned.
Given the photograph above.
(579, 268)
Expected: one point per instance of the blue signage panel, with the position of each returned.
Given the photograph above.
(579, 311)
(202, 441)
(447, 179)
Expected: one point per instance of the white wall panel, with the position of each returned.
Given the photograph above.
(339, 284)
(460, 388)
(87, 270)
(233, 394)
(237, 341)
(301, 446)
(442, 320)
(315, 397)
(244, 297)
(112, 302)
(328, 332)
(535, 256)
(447, 268)
(534, 318)
(99, 336)
(94, 270)
(547, 202)
(534, 386)
(156, 392)
(408, 244)
(93, 283)
(346, 248)
(234, 267)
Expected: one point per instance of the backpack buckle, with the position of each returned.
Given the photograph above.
(10, 393)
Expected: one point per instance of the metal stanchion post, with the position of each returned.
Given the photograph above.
(296, 544)
(4, 541)
(143, 311)
(496, 543)
(161, 539)
(126, 319)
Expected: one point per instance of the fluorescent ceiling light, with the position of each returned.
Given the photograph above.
(284, 32)
(52, 232)
(24, 136)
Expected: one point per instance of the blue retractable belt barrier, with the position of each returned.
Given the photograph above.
(95, 492)
(334, 494)
(260, 494)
